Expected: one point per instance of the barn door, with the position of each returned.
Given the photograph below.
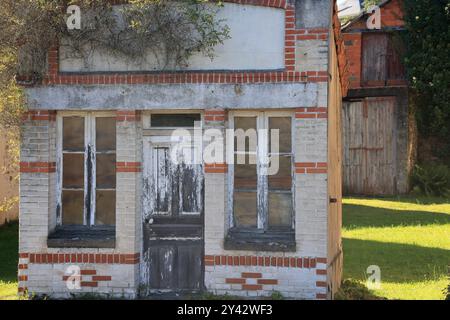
(173, 216)
(369, 146)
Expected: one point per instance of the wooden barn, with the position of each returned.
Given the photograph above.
(377, 127)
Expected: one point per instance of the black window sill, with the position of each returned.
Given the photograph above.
(279, 241)
(82, 237)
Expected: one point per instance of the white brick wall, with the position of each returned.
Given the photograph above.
(311, 55)
(38, 215)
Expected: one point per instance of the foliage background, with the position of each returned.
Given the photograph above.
(428, 66)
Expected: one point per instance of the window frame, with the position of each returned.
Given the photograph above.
(262, 149)
(89, 139)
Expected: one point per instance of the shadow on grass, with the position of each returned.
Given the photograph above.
(398, 262)
(9, 237)
(358, 216)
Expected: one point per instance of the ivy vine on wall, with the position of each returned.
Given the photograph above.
(428, 67)
(172, 30)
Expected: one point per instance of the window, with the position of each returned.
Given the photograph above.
(261, 176)
(87, 169)
(174, 120)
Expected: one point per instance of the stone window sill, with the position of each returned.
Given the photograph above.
(275, 241)
(82, 237)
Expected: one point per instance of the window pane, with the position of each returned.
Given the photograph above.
(245, 209)
(105, 129)
(245, 176)
(73, 133)
(174, 120)
(105, 208)
(283, 124)
(72, 207)
(280, 209)
(106, 171)
(73, 170)
(280, 179)
(243, 142)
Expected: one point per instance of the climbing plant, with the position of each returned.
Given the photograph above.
(428, 67)
(170, 30)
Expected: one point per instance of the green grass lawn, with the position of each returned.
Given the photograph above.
(8, 261)
(408, 238)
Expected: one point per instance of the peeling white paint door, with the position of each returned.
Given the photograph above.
(172, 216)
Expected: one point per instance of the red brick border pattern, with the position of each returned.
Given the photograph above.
(101, 258)
(263, 261)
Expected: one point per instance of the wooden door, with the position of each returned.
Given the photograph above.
(374, 62)
(369, 146)
(173, 217)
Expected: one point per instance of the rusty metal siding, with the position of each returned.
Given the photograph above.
(370, 146)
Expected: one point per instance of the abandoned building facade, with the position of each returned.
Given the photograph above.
(102, 203)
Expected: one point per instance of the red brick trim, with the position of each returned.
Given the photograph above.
(311, 113)
(22, 278)
(263, 3)
(260, 281)
(22, 290)
(289, 40)
(53, 60)
(252, 287)
(322, 260)
(39, 115)
(235, 281)
(216, 115)
(263, 261)
(88, 272)
(311, 167)
(100, 258)
(128, 167)
(187, 77)
(321, 272)
(37, 167)
(90, 278)
(253, 275)
(321, 295)
(101, 278)
(216, 168)
(311, 34)
(272, 282)
(128, 116)
(91, 284)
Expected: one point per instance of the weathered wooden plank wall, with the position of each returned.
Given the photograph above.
(369, 131)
